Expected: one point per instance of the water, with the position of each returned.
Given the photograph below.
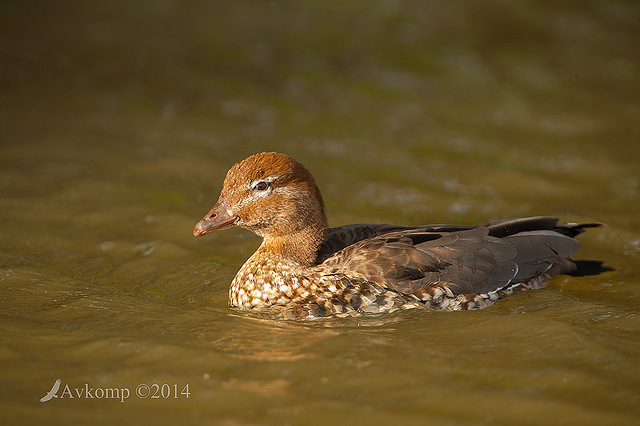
(120, 120)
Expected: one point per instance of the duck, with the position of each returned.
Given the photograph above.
(305, 270)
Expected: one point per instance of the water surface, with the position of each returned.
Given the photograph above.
(118, 122)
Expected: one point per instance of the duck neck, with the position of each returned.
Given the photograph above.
(300, 247)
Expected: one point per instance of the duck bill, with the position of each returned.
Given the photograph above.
(217, 218)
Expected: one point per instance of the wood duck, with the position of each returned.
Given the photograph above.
(303, 269)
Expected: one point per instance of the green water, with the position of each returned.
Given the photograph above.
(118, 121)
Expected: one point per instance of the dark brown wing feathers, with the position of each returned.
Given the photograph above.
(460, 258)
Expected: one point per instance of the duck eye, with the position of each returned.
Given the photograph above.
(260, 186)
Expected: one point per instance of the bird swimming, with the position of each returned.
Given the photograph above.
(303, 269)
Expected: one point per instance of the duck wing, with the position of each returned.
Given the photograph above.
(458, 259)
(343, 236)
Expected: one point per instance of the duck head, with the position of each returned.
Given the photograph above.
(275, 197)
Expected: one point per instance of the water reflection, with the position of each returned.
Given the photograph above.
(251, 337)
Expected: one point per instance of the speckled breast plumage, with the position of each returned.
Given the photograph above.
(279, 288)
(283, 290)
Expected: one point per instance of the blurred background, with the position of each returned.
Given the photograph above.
(119, 120)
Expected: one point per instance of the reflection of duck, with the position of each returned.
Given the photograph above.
(52, 393)
(303, 269)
